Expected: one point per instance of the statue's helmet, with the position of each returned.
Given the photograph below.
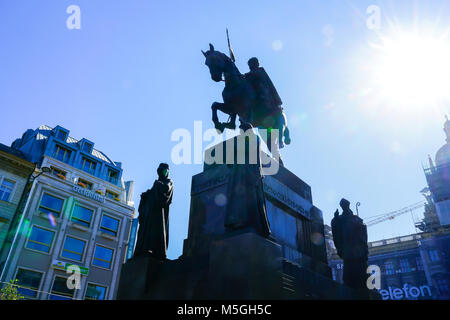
(253, 63)
(345, 204)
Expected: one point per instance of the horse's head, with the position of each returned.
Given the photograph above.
(216, 62)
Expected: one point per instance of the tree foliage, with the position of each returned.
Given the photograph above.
(9, 291)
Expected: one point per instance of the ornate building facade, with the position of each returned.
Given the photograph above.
(76, 220)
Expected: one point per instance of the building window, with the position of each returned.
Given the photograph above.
(85, 184)
(40, 239)
(60, 290)
(389, 267)
(404, 265)
(51, 205)
(419, 263)
(434, 255)
(111, 195)
(87, 147)
(6, 189)
(73, 249)
(113, 176)
(109, 225)
(95, 292)
(103, 257)
(62, 154)
(29, 282)
(57, 172)
(61, 135)
(88, 165)
(82, 215)
(443, 286)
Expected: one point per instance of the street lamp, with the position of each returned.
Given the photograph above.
(43, 170)
(46, 169)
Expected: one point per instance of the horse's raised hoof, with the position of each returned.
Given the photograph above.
(219, 127)
(245, 126)
(287, 140)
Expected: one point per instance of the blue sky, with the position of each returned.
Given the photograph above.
(134, 73)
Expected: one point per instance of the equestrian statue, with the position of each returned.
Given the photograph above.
(251, 96)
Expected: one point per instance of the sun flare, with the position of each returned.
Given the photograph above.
(412, 69)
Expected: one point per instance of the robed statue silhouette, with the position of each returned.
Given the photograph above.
(153, 235)
(350, 239)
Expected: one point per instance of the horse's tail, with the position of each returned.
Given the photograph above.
(287, 137)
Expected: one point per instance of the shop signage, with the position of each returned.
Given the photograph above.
(88, 193)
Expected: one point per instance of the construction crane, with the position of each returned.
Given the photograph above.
(391, 215)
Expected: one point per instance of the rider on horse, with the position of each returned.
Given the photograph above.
(267, 96)
(252, 97)
(268, 101)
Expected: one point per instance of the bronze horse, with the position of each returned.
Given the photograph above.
(239, 99)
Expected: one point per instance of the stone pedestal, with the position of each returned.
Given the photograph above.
(219, 263)
(245, 266)
(296, 224)
(136, 275)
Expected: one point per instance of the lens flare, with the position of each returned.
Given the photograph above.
(220, 199)
(26, 230)
(52, 220)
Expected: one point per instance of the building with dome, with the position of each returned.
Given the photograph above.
(438, 179)
(443, 154)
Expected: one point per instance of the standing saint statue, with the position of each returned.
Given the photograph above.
(350, 239)
(153, 235)
(246, 204)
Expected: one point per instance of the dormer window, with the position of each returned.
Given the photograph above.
(86, 145)
(61, 134)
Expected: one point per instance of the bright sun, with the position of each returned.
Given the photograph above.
(412, 69)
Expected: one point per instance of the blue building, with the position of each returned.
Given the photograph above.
(413, 267)
(80, 154)
(416, 266)
(76, 216)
